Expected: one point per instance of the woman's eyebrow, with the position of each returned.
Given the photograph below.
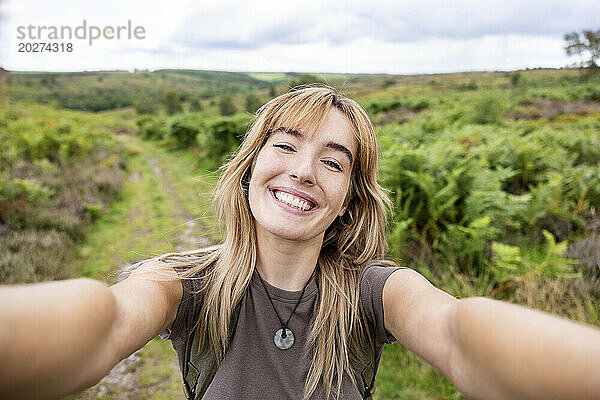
(342, 148)
(330, 144)
(289, 131)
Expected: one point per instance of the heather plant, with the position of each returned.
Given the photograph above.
(58, 172)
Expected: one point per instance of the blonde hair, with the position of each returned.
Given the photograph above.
(350, 242)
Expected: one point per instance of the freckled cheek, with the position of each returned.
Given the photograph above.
(337, 191)
(266, 169)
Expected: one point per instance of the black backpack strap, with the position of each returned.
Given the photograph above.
(363, 369)
(200, 367)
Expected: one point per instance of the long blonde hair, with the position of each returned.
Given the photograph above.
(350, 242)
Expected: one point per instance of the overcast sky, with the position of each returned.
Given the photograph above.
(369, 36)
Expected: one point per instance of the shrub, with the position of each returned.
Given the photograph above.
(16, 196)
(389, 104)
(92, 99)
(195, 104)
(145, 105)
(387, 83)
(305, 79)
(151, 128)
(592, 93)
(57, 172)
(515, 78)
(182, 131)
(220, 137)
(93, 211)
(226, 106)
(471, 85)
(489, 109)
(383, 105)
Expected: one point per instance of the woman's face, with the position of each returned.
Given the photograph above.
(300, 181)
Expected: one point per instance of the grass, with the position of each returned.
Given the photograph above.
(147, 217)
(149, 214)
(402, 375)
(137, 220)
(157, 379)
(193, 185)
(152, 376)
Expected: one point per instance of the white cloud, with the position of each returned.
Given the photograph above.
(354, 36)
(258, 24)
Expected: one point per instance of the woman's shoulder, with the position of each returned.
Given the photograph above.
(374, 276)
(378, 269)
(372, 280)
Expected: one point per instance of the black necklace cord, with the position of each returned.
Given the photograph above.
(284, 326)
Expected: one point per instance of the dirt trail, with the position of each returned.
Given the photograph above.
(122, 382)
(190, 237)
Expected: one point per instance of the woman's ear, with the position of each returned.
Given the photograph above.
(245, 183)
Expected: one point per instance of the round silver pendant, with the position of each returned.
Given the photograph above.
(281, 342)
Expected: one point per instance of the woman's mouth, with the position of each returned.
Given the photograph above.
(293, 201)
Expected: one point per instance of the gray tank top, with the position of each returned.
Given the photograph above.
(253, 367)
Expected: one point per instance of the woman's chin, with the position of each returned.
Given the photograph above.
(290, 233)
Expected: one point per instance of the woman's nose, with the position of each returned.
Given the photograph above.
(303, 173)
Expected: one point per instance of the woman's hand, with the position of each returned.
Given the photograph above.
(47, 333)
(61, 337)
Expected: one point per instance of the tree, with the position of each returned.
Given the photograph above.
(253, 103)
(226, 106)
(586, 46)
(515, 78)
(305, 79)
(172, 102)
(195, 104)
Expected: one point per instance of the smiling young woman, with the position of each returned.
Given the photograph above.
(298, 301)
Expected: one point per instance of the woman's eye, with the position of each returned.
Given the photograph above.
(333, 164)
(284, 147)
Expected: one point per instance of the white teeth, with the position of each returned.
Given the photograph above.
(292, 201)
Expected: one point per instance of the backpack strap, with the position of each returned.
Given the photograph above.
(201, 367)
(363, 369)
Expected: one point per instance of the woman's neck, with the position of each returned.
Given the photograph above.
(286, 264)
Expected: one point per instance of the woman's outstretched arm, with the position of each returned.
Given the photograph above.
(47, 330)
(61, 337)
(491, 349)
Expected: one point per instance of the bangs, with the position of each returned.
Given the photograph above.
(304, 108)
(297, 113)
